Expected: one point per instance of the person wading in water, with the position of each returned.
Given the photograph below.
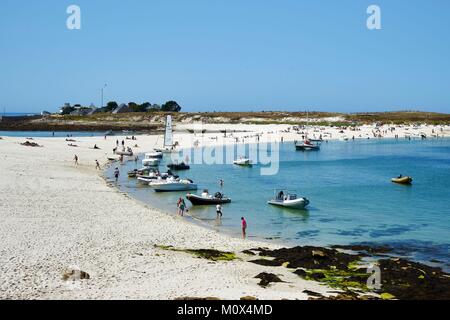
(244, 227)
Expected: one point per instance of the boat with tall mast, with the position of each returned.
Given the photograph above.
(307, 144)
(168, 145)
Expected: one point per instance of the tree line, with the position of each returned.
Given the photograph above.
(169, 106)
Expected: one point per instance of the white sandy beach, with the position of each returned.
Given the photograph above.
(56, 215)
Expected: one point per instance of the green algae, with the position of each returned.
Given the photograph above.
(339, 279)
(387, 296)
(209, 254)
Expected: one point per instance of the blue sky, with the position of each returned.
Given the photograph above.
(227, 55)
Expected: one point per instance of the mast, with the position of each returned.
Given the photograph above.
(168, 132)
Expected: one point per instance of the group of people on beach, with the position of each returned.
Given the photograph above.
(181, 207)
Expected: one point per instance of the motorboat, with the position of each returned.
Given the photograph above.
(288, 199)
(134, 173)
(306, 145)
(153, 175)
(125, 153)
(244, 162)
(206, 199)
(154, 155)
(151, 162)
(178, 166)
(402, 180)
(146, 179)
(172, 184)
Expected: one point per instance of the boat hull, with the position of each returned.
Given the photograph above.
(168, 187)
(178, 167)
(150, 162)
(307, 148)
(403, 180)
(122, 153)
(198, 200)
(300, 203)
(243, 163)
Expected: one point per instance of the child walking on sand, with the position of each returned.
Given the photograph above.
(75, 159)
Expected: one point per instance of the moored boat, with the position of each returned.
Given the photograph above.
(306, 145)
(151, 162)
(244, 162)
(288, 199)
(171, 184)
(178, 166)
(206, 199)
(402, 180)
(124, 153)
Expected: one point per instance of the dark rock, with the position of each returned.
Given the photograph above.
(249, 252)
(311, 257)
(317, 276)
(248, 298)
(407, 280)
(267, 278)
(197, 298)
(74, 274)
(313, 294)
(301, 273)
(267, 262)
(30, 144)
(365, 248)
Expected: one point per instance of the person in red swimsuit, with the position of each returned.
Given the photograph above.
(244, 227)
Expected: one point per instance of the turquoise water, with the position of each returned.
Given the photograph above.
(352, 198)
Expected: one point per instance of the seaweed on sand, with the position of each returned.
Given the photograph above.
(210, 254)
(400, 278)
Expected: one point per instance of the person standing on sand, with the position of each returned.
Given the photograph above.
(75, 159)
(117, 142)
(244, 227)
(116, 174)
(97, 165)
(181, 206)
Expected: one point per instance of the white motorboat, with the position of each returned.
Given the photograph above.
(171, 184)
(151, 162)
(154, 155)
(245, 162)
(146, 179)
(288, 199)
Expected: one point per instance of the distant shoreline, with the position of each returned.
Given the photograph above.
(153, 122)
